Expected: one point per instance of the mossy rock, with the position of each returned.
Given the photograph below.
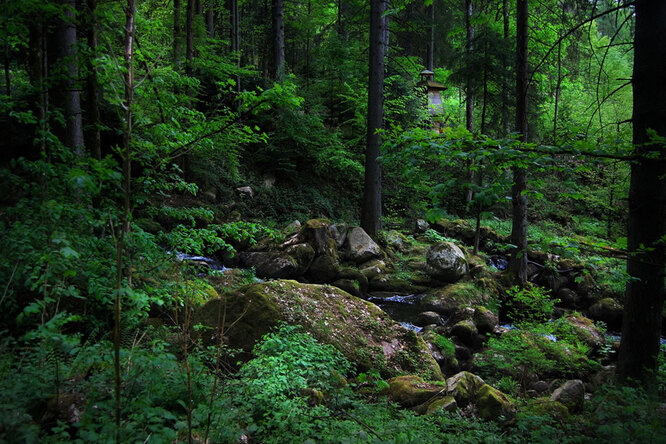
(585, 330)
(364, 333)
(546, 407)
(485, 320)
(466, 331)
(324, 268)
(446, 300)
(397, 241)
(200, 292)
(492, 404)
(411, 390)
(609, 311)
(464, 387)
(446, 404)
(373, 268)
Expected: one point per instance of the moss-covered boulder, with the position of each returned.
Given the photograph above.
(446, 262)
(466, 331)
(411, 390)
(464, 387)
(365, 334)
(609, 311)
(493, 404)
(546, 407)
(446, 300)
(485, 320)
(583, 330)
(270, 264)
(397, 241)
(373, 268)
(446, 404)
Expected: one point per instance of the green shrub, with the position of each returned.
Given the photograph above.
(529, 305)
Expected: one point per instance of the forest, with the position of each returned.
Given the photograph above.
(340, 221)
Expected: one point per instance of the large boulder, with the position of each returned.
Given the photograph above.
(485, 320)
(609, 311)
(446, 262)
(270, 264)
(364, 333)
(360, 247)
(571, 394)
(448, 299)
(464, 387)
(411, 390)
(339, 232)
(492, 404)
(583, 329)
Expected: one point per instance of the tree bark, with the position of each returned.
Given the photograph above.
(469, 89)
(67, 53)
(92, 133)
(518, 198)
(278, 39)
(210, 22)
(189, 38)
(644, 298)
(234, 19)
(371, 211)
(506, 121)
(430, 56)
(176, 32)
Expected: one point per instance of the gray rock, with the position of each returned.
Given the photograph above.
(421, 226)
(361, 246)
(607, 310)
(277, 264)
(571, 394)
(339, 232)
(246, 191)
(428, 318)
(446, 261)
(485, 320)
(397, 241)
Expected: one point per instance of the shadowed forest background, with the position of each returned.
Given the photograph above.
(332, 221)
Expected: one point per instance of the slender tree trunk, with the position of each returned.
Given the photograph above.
(210, 22)
(8, 79)
(189, 38)
(506, 121)
(371, 212)
(278, 39)
(518, 198)
(558, 88)
(430, 63)
(68, 55)
(128, 78)
(93, 136)
(469, 88)
(644, 300)
(235, 37)
(177, 7)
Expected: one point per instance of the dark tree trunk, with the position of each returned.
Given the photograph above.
(278, 38)
(430, 62)
(210, 22)
(644, 299)
(176, 32)
(67, 53)
(371, 212)
(189, 38)
(92, 133)
(469, 51)
(518, 199)
(469, 89)
(506, 121)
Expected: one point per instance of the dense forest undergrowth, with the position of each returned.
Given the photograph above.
(194, 248)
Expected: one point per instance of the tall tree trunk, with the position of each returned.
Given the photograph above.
(67, 52)
(469, 89)
(234, 18)
(430, 62)
(93, 136)
(189, 38)
(177, 7)
(644, 300)
(518, 198)
(506, 121)
(210, 22)
(278, 38)
(128, 78)
(371, 211)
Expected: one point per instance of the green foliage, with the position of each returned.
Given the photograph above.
(529, 305)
